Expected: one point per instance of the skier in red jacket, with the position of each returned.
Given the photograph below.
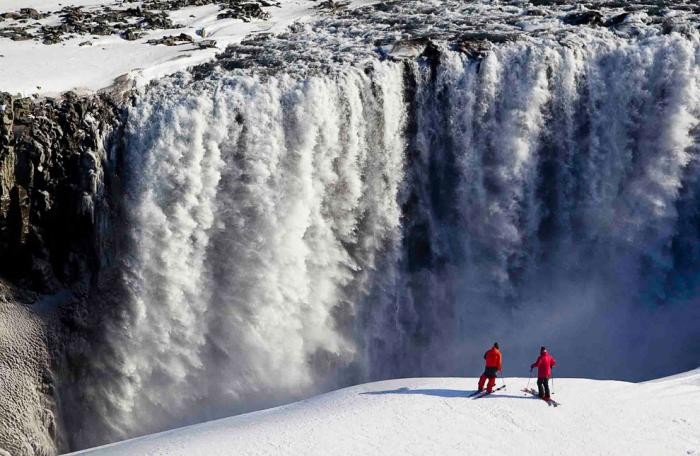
(544, 365)
(493, 365)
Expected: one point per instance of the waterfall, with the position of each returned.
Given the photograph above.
(257, 210)
(542, 206)
(294, 233)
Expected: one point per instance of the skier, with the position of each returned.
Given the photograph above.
(493, 365)
(544, 365)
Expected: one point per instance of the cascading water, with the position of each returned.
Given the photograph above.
(542, 205)
(293, 233)
(258, 210)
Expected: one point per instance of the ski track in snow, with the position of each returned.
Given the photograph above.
(433, 416)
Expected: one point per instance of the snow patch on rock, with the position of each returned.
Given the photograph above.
(87, 63)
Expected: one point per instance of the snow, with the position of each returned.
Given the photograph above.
(25, 407)
(434, 416)
(30, 67)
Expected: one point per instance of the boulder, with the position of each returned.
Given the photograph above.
(617, 20)
(590, 17)
(173, 40)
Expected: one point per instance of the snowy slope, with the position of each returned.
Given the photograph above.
(433, 416)
(30, 67)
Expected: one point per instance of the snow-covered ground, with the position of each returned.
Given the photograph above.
(31, 67)
(84, 62)
(434, 416)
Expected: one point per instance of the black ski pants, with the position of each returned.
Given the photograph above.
(543, 386)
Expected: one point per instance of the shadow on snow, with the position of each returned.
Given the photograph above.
(443, 393)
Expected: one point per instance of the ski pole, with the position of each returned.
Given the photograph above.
(552, 384)
(530, 378)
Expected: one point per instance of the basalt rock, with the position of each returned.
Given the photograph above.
(16, 33)
(171, 40)
(243, 11)
(478, 45)
(24, 14)
(617, 20)
(584, 18)
(129, 23)
(50, 183)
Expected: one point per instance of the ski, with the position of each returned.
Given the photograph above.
(486, 393)
(551, 402)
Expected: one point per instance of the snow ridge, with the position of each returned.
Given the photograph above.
(423, 416)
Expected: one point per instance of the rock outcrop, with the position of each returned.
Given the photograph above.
(52, 184)
(50, 181)
(131, 23)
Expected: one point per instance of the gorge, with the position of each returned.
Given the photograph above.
(379, 193)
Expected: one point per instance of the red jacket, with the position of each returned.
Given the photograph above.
(544, 365)
(493, 358)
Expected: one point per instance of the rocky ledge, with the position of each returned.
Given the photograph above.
(401, 29)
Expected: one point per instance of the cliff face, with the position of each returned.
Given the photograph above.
(52, 185)
(51, 179)
(376, 194)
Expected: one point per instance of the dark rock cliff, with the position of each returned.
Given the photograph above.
(53, 214)
(51, 179)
